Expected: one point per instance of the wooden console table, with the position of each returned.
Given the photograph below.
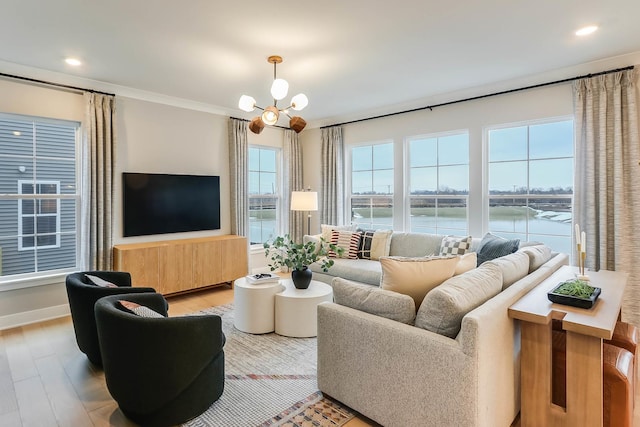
(176, 266)
(586, 328)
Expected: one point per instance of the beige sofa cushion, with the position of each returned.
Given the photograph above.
(444, 307)
(415, 276)
(370, 299)
(538, 255)
(513, 266)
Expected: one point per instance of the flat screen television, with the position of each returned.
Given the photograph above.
(162, 203)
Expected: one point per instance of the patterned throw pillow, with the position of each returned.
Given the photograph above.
(374, 244)
(140, 310)
(452, 245)
(100, 282)
(347, 240)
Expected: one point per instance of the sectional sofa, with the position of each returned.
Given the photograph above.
(387, 363)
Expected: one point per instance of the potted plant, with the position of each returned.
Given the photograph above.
(284, 252)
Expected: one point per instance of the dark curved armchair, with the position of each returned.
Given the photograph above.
(83, 295)
(161, 371)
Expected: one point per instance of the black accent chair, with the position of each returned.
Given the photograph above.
(83, 294)
(161, 371)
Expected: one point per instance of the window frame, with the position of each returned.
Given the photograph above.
(46, 277)
(487, 197)
(407, 179)
(348, 181)
(278, 195)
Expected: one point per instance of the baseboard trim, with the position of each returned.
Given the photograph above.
(34, 316)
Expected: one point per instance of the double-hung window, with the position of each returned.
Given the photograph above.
(39, 196)
(439, 183)
(371, 197)
(264, 194)
(531, 182)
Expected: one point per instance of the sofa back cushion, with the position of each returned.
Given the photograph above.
(538, 255)
(513, 266)
(370, 299)
(415, 276)
(444, 307)
(415, 244)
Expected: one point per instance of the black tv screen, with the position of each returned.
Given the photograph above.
(163, 203)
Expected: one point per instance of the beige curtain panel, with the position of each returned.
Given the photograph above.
(292, 182)
(100, 145)
(607, 177)
(239, 176)
(332, 177)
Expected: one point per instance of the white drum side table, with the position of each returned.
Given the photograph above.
(297, 309)
(254, 306)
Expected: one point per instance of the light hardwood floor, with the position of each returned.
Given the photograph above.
(46, 381)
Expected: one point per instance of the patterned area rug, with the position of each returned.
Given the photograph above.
(270, 381)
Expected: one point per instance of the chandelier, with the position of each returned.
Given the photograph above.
(271, 114)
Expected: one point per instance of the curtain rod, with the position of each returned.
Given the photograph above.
(60, 85)
(473, 98)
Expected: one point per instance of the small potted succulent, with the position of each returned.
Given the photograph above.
(297, 257)
(575, 292)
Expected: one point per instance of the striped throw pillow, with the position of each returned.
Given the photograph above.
(347, 240)
(140, 310)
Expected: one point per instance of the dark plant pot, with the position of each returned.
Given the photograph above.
(301, 278)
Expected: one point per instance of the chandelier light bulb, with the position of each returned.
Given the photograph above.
(299, 101)
(270, 115)
(279, 89)
(247, 103)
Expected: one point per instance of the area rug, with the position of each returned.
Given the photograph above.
(270, 381)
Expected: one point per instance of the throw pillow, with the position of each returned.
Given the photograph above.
(347, 240)
(381, 244)
(444, 307)
(100, 282)
(140, 310)
(415, 276)
(467, 262)
(373, 300)
(452, 245)
(327, 229)
(492, 247)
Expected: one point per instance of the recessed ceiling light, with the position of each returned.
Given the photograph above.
(73, 61)
(16, 133)
(586, 30)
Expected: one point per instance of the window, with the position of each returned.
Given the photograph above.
(531, 182)
(264, 194)
(38, 220)
(39, 196)
(439, 184)
(372, 186)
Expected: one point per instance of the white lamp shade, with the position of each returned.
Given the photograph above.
(304, 200)
(299, 101)
(270, 115)
(247, 103)
(279, 89)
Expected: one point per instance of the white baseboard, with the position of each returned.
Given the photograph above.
(34, 316)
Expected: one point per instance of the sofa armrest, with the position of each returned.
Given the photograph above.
(393, 373)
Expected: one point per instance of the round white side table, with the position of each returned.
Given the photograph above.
(296, 309)
(254, 306)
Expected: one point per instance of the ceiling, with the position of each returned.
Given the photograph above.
(351, 58)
